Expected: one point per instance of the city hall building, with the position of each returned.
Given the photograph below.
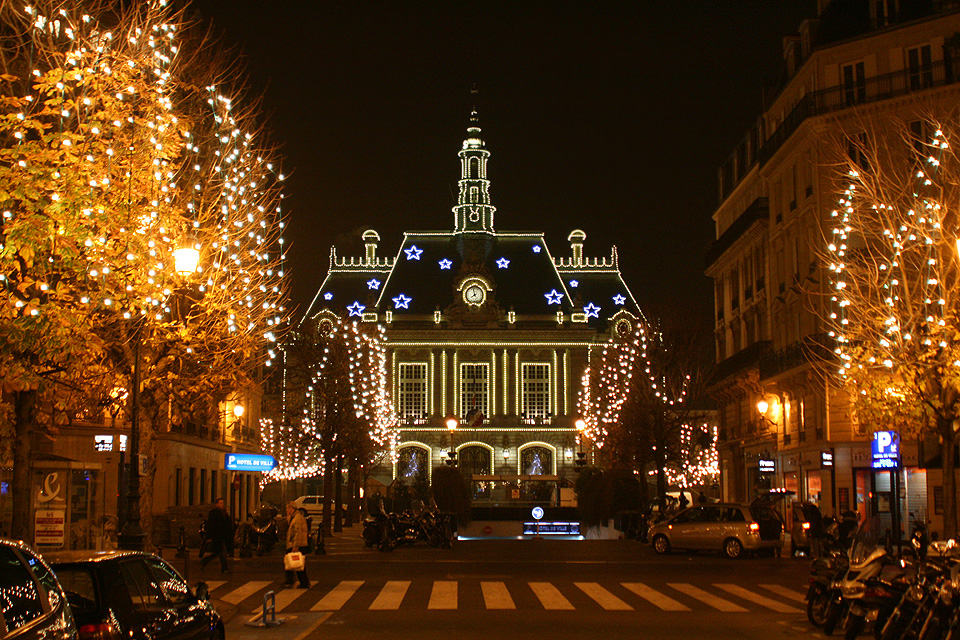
(485, 326)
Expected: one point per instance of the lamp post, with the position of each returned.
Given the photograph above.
(131, 538)
(452, 453)
(581, 462)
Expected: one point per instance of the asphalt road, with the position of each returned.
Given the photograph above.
(494, 589)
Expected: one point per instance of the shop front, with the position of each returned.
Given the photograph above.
(891, 487)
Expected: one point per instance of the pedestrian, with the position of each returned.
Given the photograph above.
(219, 535)
(297, 541)
(684, 503)
(702, 498)
(815, 532)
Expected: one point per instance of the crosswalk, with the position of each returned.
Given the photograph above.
(451, 595)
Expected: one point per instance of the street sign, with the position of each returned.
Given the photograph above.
(885, 450)
(248, 462)
(537, 513)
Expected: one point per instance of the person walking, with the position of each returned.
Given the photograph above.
(219, 535)
(297, 541)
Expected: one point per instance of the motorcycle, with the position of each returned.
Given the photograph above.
(872, 585)
(823, 572)
(865, 561)
(263, 532)
(375, 526)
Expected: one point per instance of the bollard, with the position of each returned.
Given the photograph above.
(262, 619)
(318, 547)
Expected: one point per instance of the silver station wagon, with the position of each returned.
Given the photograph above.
(727, 527)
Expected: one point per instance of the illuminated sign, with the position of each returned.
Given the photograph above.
(885, 450)
(103, 443)
(537, 513)
(826, 458)
(551, 528)
(248, 462)
(767, 466)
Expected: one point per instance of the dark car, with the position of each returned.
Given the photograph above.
(32, 603)
(127, 594)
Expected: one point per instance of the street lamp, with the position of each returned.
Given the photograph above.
(581, 425)
(452, 453)
(131, 538)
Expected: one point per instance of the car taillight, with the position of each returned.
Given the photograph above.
(805, 525)
(98, 631)
(753, 526)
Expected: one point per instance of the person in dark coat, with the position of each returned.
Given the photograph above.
(220, 535)
(684, 503)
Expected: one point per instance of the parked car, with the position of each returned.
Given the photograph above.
(33, 605)
(312, 506)
(720, 526)
(135, 596)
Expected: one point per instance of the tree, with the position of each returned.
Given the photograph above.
(642, 400)
(119, 146)
(895, 286)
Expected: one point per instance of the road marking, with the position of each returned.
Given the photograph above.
(338, 596)
(391, 596)
(313, 627)
(240, 594)
(550, 597)
(773, 605)
(213, 584)
(284, 598)
(699, 594)
(780, 590)
(603, 597)
(655, 597)
(444, 595)
(496, 596)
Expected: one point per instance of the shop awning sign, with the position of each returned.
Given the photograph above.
(248, 462)
(885, 449)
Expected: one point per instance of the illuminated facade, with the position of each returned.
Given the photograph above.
(783, 424)
(483, 326)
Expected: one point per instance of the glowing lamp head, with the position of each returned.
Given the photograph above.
(451, 423)
(762, 406)
(186, 260)
(238, 410)
(580, 424)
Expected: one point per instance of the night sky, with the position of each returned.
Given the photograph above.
(612, 117)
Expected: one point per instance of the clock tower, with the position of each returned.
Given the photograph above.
(474, 213)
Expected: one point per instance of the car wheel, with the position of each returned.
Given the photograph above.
(732, 548)
(217, 633)
(661, 544)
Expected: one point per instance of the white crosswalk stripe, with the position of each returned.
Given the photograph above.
(391, 596)
(496, 596)
(655, 597)
(338, 597)
(284, 598)
(243, 592)
(746, 594)
(707, 598)
(780, 590)
(444, 595)
(550, 597)
(603, 597)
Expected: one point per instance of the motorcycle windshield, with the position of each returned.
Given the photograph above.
(865, 542)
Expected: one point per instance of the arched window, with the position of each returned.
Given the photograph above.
(474, 169)
(413, 464)
(536, 461)
(474, 460)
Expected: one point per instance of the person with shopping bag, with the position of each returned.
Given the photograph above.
(295, 560)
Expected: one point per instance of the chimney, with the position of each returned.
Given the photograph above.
(370, 240)
(576, 239)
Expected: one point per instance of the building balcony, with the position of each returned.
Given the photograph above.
(813, 348)
(758, 210)
(874, 89)
(749, 357)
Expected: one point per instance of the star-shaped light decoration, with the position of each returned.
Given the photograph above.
(536, 248)
(592, 310)
(413, 253)
(445, 264)
(619, 299)
(328, 296)
(503, 263)
(356, 309)
(373, 283)
(401, 302)
(553, 297)
(574, 283)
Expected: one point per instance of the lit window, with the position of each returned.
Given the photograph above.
(412, 394)
(536, 391)
(474, 388)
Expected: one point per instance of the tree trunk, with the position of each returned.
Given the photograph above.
(661, 479)
(25, 408)
(353, 499)
(945, 428)
(338, 497)
(327, 494)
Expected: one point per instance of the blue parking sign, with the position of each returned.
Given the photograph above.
(886, 450)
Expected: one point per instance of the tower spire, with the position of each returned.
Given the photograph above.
(474, 213)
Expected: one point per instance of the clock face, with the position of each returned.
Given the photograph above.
(474, 294)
